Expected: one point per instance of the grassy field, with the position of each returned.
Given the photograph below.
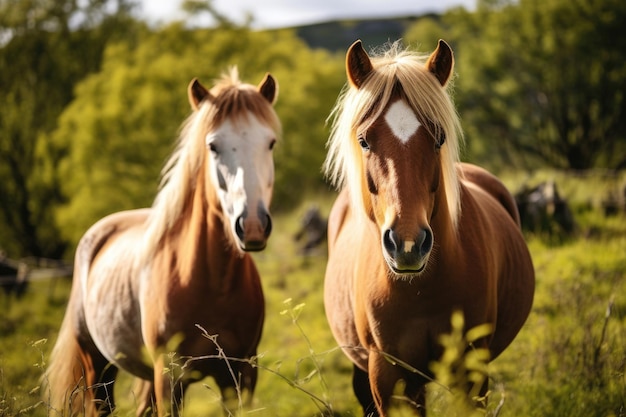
(568, 360)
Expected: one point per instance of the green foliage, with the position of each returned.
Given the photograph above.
(460, 369)
(27, 330)
(41, 59)
(539, 82)
(584, 191)
(108, 132)
(573, 348)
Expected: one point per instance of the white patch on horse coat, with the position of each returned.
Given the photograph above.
(402, 120)
(408, 245)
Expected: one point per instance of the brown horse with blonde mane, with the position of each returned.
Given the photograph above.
(177, 278)
(414, 234)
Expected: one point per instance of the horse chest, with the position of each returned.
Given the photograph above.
(200, 308)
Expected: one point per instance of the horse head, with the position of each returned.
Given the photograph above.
(240, 165)
(400, 141)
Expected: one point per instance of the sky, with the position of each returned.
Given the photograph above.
(283, 13)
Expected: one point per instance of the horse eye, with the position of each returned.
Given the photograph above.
(272, 143)
(442, 140)
(213, 148)
(363, 143)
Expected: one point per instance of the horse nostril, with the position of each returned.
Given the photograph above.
(268, 226)
(390, 241)
(239, 227)
(425, 241)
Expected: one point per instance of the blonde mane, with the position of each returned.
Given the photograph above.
(357, 109)
(231, 99)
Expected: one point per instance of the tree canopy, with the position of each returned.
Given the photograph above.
(46, 47)
(540, 81)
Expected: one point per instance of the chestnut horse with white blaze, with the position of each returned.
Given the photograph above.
(177, 278)
(414, 234)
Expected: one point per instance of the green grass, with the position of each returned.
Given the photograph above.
(568, 360)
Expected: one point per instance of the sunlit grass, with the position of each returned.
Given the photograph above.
(569, 359)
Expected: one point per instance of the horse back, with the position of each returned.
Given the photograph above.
(492, 185)
(102, 235)
(102, 232)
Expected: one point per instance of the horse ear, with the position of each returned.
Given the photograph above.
(358, 64)
(441, 62)
(269, 88)
(196, 93)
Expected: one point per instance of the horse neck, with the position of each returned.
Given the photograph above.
(201, 244)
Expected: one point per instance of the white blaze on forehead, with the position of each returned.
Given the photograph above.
(402, 121)
(243, 168)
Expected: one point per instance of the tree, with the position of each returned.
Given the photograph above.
(543, 80)
(45, 48)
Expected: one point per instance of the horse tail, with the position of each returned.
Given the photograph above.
(64, 385)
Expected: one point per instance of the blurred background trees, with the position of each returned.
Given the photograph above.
(93, 98)
(45, 49)
(540, 82)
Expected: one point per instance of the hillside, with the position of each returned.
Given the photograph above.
(338, 35)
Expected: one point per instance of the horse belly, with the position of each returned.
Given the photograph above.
(507, 263)
(516, 288)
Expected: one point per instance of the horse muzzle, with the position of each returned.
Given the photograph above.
(407, 256)
(253, 232)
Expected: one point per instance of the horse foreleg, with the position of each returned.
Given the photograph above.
(383, 376)
(146, 399)
(248, 382)
(478, 396)
(363, 392)
(236, 385)
(416, 393)
(168, 388)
